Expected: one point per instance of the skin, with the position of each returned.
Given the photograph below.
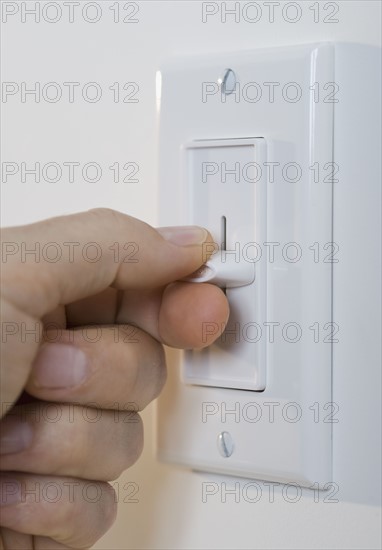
(112, 369)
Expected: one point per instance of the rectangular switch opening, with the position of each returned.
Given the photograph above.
(223, 238)
(223, 233)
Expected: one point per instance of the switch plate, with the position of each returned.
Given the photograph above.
(286, 97)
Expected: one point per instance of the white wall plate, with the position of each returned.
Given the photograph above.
(270, 391)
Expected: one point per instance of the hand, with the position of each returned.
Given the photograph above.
(83, 320)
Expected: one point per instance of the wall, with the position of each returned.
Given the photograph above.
(170, 512)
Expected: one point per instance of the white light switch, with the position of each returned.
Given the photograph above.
(256, 167)
(227, 194)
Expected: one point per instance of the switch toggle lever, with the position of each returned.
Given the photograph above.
(223, 270)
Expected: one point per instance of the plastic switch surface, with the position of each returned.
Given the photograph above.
(227, 194)
(224, 271)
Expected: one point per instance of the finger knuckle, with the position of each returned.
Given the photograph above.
(155, 370)
(89, 514)
(106, 216)
(131, 445)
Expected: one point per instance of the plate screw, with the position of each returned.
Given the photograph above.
(225, 444)
(228, 83)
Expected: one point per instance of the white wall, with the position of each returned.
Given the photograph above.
(170, 512)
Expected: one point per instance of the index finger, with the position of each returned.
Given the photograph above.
(95, 250)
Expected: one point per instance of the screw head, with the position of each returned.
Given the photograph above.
(225, 444)
(228, 82)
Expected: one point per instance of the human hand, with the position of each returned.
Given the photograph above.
(82, 332)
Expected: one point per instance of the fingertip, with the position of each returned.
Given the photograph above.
(188, 235)
(191, 237)
(187, 309)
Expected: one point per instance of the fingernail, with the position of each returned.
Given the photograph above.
(184, 235)
(15, 435)
(59, 366)
(10, 490)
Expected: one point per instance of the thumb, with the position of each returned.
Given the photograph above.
(64, 259)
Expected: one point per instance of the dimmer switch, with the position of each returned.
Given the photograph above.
(227, 194)
(256, 168)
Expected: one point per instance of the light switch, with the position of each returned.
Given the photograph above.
(227, 194)
(255, 167)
